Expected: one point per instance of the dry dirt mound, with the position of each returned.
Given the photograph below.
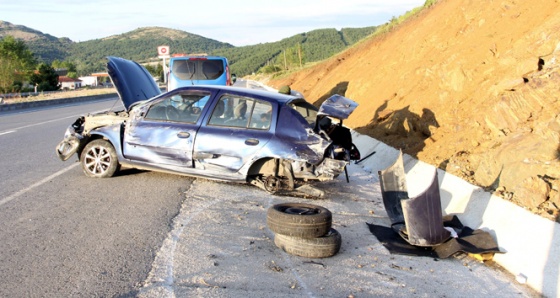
(472, 87)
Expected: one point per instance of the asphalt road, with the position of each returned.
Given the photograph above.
(65, 235)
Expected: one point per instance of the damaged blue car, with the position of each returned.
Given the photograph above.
(277, 142)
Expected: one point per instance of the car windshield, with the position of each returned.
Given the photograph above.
(184, 107)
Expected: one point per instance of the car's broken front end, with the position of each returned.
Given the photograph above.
(72, 140)
(134, 84)
(78, 134)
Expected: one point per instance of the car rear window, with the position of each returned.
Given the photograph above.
(184, 69)
(306, 110)
(199, 69)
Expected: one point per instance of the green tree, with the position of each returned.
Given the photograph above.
(72, 74)
(151, 69)
(155, 70)
(16, 62)
(71, 67)
(159, 72)
(46, 79)
(56, 64)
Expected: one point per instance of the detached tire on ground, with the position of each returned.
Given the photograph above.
(299, 220)
(320, 247)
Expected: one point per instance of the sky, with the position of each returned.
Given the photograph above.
(240, 22)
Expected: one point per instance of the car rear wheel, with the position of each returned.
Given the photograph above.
(99, 159)
(299, 220)
(320, 247)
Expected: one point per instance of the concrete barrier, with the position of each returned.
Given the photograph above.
(42, 103)
(531, 243)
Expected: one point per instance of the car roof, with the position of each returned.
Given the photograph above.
(198, 57)
(275, 96)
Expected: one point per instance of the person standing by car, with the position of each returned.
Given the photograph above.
(288, 91)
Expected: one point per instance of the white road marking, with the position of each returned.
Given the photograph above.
(47, 179)
(6, 132)
(44, 122)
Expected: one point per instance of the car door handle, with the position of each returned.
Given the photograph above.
(205, 155)
(251, 142)
(183, 135)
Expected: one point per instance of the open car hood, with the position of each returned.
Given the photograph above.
(337, 106)
(133, 82)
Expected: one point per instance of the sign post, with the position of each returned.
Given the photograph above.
(163, 53)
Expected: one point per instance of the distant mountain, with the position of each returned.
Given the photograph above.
(141, 45)
(45, 47)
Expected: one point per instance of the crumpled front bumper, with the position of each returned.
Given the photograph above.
(69, 145)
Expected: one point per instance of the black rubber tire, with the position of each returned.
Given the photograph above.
(299, 220)
(99, 159)
(320, 247)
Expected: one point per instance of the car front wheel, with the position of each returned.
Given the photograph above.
(99, 159)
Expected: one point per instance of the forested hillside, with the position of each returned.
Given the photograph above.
(141, 45)
(310, 47)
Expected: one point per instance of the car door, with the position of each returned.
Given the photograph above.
(164, 133)
(238, 128)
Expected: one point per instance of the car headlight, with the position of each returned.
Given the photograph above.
(70, 131)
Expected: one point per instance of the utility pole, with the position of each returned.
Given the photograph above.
(299, 54)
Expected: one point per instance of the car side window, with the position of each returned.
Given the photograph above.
(242, 112)
(261, 116)
(185, 107)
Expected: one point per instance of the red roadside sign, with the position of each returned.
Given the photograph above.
(163, 51)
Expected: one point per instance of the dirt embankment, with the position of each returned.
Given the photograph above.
(472, 87)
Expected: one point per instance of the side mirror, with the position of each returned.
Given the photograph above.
(233, 78)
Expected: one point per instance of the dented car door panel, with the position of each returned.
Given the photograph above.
(159, 142)
(228, 148)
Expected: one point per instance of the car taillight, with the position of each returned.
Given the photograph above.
(228, 77)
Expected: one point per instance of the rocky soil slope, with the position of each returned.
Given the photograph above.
(472, 87)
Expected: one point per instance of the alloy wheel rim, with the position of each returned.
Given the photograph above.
(97, 160)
